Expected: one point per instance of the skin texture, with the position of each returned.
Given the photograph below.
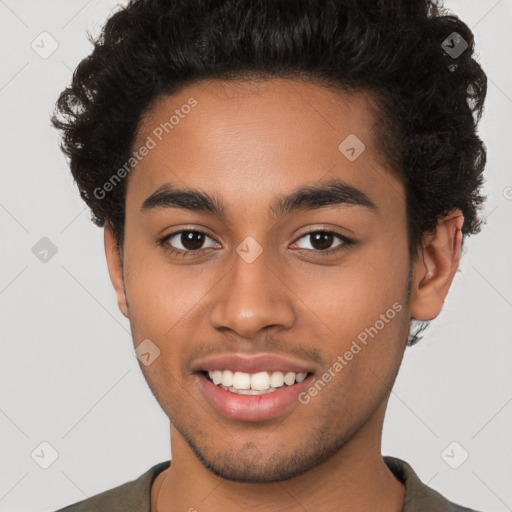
(249, 143)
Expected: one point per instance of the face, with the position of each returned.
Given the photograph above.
(241, 278)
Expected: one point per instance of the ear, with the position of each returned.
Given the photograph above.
(435, 267)
(115, 267)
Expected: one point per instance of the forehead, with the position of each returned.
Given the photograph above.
(249, 140)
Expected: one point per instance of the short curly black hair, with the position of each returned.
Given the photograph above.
(414, 57)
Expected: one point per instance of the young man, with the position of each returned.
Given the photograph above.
(284, 188)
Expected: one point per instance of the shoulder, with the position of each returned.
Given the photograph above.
(419, 496)
(130, 496)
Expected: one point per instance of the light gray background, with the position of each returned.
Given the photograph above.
(68, 374)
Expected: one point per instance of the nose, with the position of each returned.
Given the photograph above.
(252, 296)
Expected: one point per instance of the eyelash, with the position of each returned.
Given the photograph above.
(347, 242)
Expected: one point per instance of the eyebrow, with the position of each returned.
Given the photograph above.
(333, 192)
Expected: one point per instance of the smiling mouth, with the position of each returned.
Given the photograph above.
(259, 383)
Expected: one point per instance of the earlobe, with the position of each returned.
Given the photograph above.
(436, 266)
(115, 267)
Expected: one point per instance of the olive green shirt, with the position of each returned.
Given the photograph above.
(134, 496)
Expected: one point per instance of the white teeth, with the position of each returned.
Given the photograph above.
(249, 391)
(289, 378)
(241, 380)
(227, 378)
(256, 383)
(300, 377)
(277, 379)
(260, 381)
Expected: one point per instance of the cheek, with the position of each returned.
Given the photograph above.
(363, 347)
(363, 305)
(163, 297)
(357, 294)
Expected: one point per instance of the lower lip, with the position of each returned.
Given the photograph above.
(252, 407)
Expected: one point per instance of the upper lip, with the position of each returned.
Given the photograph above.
(250, 363)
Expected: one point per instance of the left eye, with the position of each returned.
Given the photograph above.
(322, 240)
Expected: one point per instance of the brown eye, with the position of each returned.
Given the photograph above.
(322, 240)
(192, 240)
(186, 241)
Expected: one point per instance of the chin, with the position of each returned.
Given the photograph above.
(249, 464)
